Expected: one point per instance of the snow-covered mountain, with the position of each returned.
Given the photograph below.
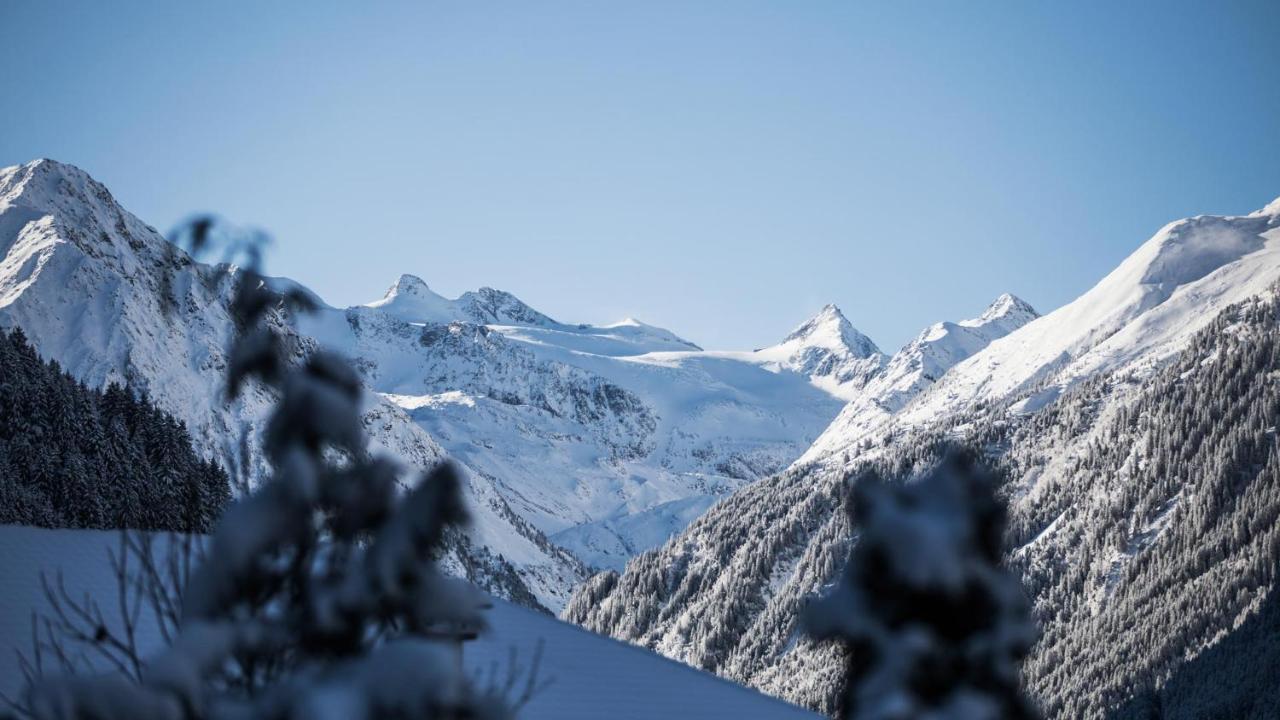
(917, 366)
(606, 439)
(932, 353)
(830, 351)
(583, 444)
(1137, 428)
(1136, 317)
(111, 300)
(411, 300)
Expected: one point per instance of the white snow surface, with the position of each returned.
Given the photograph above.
(411, 300)
(830, 351)
(592, 676)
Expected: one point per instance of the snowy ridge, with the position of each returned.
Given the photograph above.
(916, 367)
(411, 300)
(829, 350)
(1135, 318)
(1138, 315)
(932, 353)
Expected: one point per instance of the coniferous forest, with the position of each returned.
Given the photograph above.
(73, 456)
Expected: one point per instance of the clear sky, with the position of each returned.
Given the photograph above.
(719, 168)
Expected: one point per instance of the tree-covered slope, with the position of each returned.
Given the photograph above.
(1151, 530)
(71, 456)
(1143, 514)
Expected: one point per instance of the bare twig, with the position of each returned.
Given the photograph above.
(506, 691)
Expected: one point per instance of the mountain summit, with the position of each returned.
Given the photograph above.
(1007, 310)
(412, 300)
(933, 352)
(407, 286)
(918, 365)
(831, 330)
(830, 351)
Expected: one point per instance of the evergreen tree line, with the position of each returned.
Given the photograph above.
(1157, 539)
(74, 456)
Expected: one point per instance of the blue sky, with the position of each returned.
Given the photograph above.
(719, 168)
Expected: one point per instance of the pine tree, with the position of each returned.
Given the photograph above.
(318, 595)
(934, 627)
(71, 456)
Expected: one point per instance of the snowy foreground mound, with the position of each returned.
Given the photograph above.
(593, 677)
(582, 445)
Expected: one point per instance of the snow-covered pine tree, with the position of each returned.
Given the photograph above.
(934, 627)
(317, 596)
(72, 456)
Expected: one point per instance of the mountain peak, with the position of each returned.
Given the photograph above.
(499, 307)
(829, 317)
(1005, 307)
(410, 299)
(408, 284)
(38, 180)
(42, 166)
(832, 330)
(49, 165)
(78, 210)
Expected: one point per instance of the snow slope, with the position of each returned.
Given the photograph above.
(1137, 316)
(411, 300)
(592, 676)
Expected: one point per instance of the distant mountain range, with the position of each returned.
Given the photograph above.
(584, 444)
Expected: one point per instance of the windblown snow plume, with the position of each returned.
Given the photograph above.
(935, 628)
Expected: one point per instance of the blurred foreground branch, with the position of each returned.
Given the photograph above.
(316, 596)
(935, 627)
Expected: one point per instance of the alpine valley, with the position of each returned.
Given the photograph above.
(582, 445)
(690, 500)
